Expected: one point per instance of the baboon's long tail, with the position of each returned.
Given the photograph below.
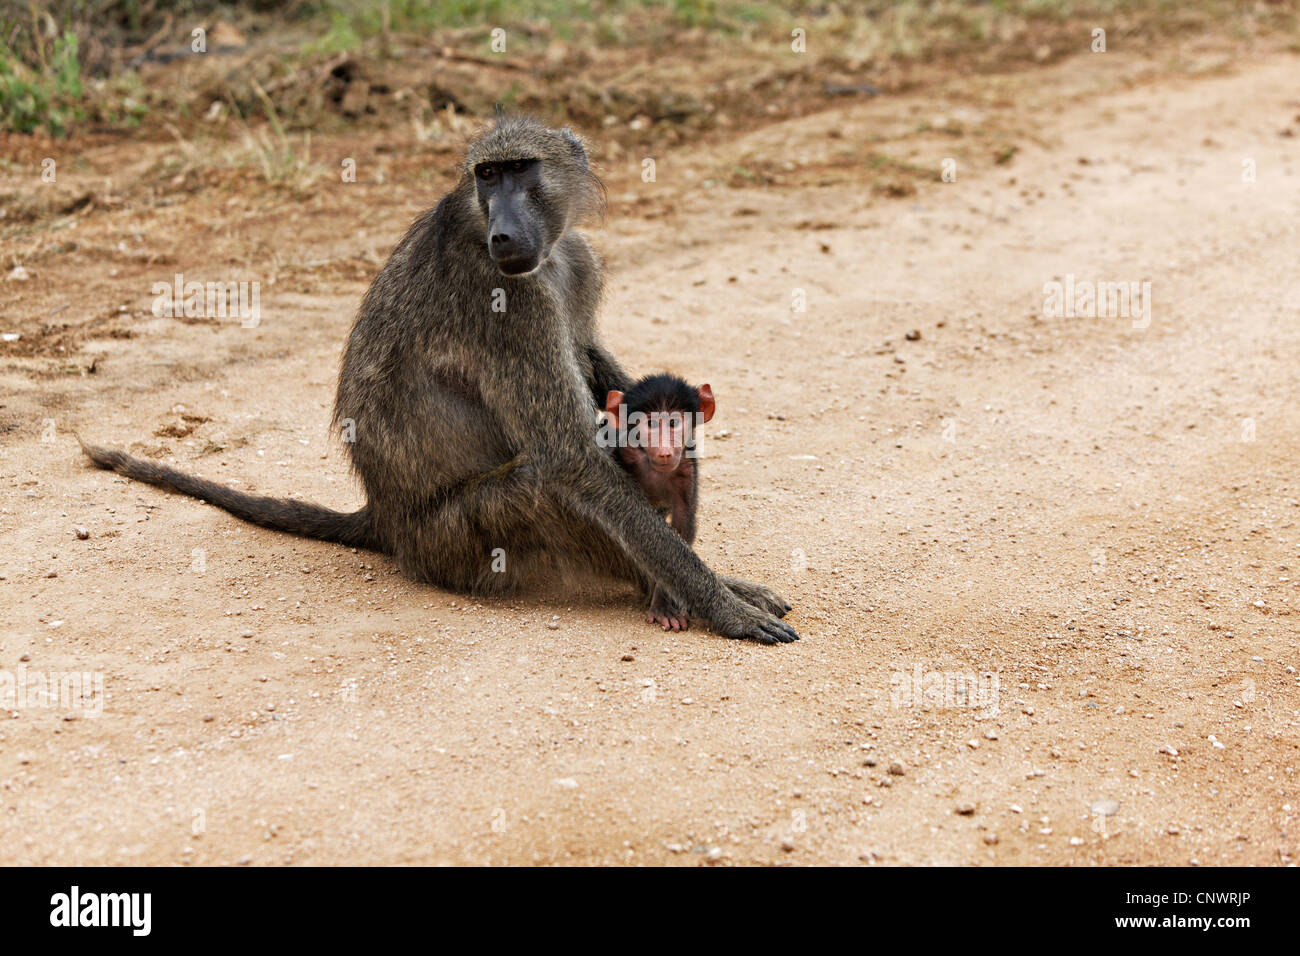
(280, 514)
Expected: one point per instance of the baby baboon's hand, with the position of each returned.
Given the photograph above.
(666, 612)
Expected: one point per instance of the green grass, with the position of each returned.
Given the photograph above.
(340, 37)
(368, 18)
(32, 99)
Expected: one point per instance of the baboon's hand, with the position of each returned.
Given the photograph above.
(733, 617)
(666, 612)
(762, 598)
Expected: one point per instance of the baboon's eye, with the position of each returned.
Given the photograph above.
(487, 171)
(517, 166)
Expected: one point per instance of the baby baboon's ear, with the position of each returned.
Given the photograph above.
(575, 143)
(707, 403)
(613, 403)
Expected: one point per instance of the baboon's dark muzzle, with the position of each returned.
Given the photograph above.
(510, 246)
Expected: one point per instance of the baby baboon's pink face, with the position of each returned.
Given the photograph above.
(664, 435)
(660, 432)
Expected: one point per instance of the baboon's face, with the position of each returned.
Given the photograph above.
(665, 436)
(513, 199)
(659, 431)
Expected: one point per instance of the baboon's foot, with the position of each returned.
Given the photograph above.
(765, 599)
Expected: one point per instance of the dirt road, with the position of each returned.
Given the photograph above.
(1091, 521)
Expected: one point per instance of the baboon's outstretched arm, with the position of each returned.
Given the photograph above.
(593, 487)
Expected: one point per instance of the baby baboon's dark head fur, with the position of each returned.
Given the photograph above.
(531, 183)
(662, 393)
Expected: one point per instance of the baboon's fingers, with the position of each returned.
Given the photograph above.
(671, 622)
(777, 632)
(765, 599)
(771, 631)
(778, 610)
(783, 632)
(666, 612)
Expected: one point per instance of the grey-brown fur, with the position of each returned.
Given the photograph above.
(474, 429)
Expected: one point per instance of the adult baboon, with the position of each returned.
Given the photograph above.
(468, 395)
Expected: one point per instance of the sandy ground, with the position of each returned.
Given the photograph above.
(1098, 517)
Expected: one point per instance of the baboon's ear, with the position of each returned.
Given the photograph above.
(575, 144)
(707, 404)
(612, 402)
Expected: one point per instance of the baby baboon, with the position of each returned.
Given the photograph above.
(654, 427)
(468, 388)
